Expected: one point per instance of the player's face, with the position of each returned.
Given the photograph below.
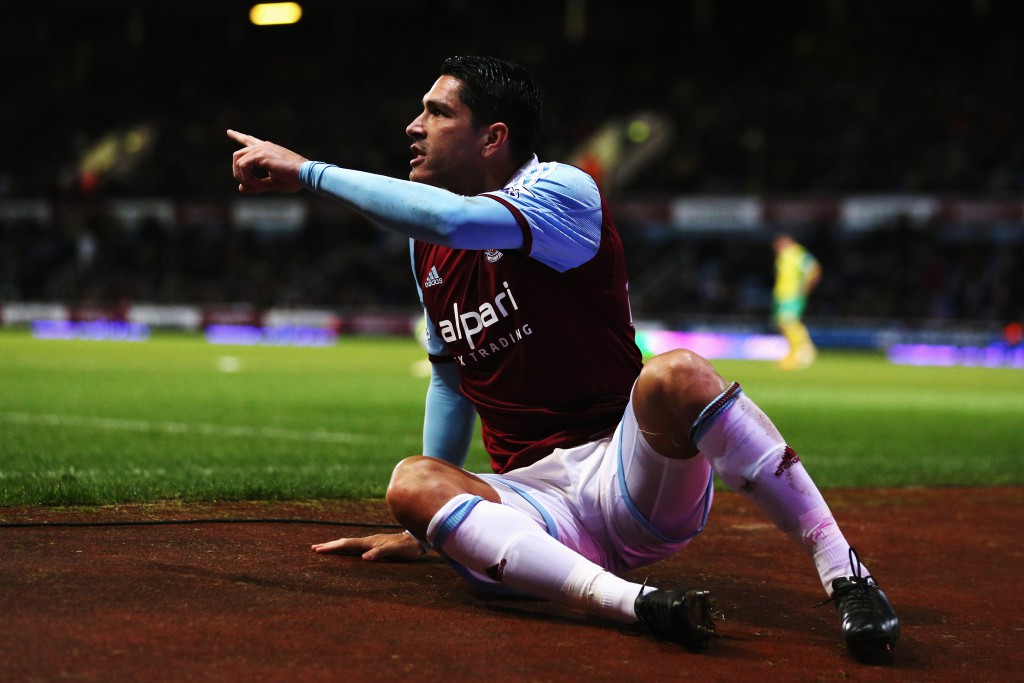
(446, 148)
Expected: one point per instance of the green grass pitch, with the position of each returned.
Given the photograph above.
(85, 422)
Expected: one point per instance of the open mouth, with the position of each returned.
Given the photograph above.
(418, 155)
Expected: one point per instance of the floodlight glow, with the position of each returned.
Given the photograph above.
(638, 131)
(275, 13)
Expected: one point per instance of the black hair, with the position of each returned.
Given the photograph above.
(498, 90)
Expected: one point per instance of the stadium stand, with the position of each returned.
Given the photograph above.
(114, 184)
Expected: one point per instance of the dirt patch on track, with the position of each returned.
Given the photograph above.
(251, 602)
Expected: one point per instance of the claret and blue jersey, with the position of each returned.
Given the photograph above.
(525, 291)
(541, 335)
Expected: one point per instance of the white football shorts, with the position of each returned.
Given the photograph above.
(615, 501)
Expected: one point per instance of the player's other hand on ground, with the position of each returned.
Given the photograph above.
(395, 547)
(262, 166)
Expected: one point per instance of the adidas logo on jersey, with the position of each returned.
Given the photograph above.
(433, 278)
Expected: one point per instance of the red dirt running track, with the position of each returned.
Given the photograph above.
(251, 602)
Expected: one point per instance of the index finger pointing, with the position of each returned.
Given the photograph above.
(242, 138)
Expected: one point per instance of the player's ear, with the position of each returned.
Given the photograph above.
(495, 138)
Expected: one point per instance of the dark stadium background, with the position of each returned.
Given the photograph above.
(795, 106)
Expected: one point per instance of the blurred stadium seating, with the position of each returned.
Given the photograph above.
(114, 170)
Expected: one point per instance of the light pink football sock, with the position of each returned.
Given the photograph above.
(508, 546)
(750, 455)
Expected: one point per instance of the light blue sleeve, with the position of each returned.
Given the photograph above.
(562, 205)
(559, 206)
(420, 211)
(448, 416)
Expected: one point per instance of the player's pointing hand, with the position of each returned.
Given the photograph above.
(262, 166)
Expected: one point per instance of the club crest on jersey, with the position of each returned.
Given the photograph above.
(433, 278)
(466, 324)
(492, 255)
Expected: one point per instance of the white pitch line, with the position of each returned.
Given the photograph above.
(186, 428)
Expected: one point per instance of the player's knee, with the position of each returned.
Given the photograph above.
(404, 487)
(415, 488)
(682, 376)
(670, 394)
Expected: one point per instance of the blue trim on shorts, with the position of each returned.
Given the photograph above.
(549, 521)
(644, 522)
(452, 522)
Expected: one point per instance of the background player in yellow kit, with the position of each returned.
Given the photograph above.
(796, 274)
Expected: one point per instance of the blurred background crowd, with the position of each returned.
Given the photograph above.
(115, 100)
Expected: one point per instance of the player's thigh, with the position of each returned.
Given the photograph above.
(653, 505)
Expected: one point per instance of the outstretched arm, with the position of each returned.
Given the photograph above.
(420, 211)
